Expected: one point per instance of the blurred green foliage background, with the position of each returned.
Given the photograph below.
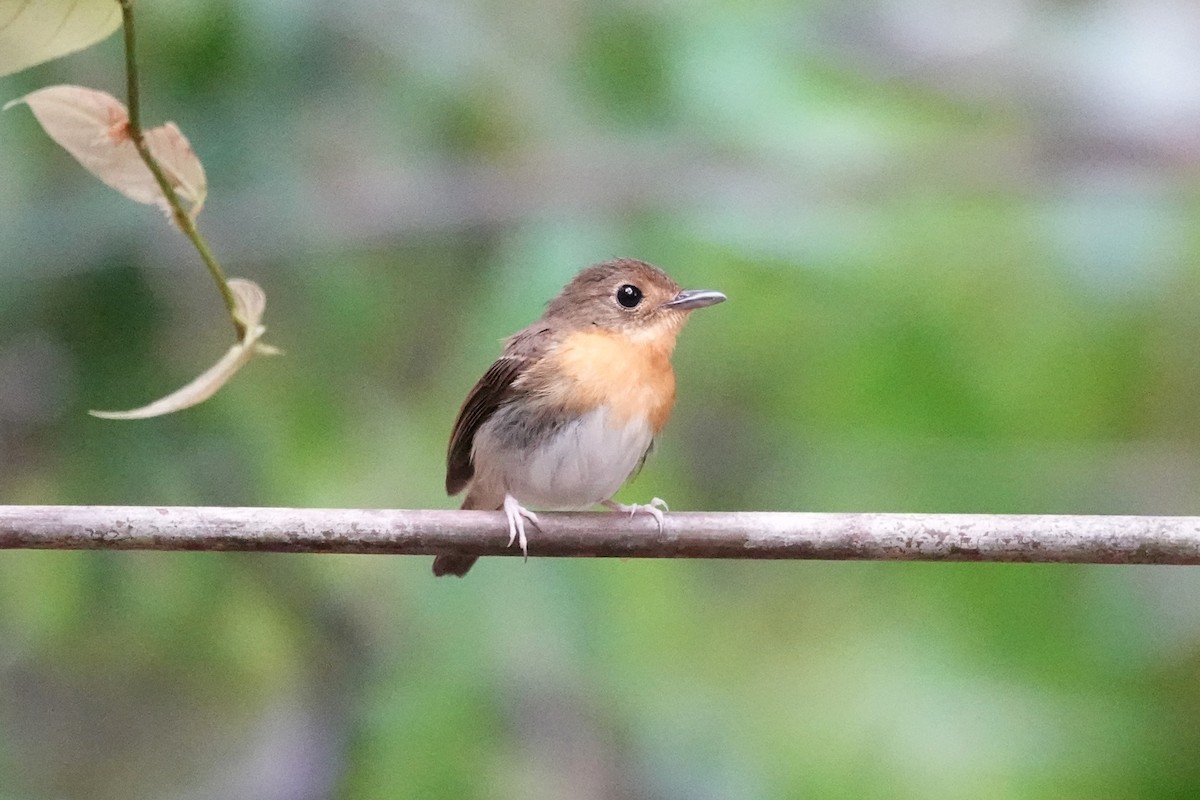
(960, 242)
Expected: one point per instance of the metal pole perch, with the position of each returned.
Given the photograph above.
(750, 534)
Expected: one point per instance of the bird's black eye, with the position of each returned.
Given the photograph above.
(629, 295)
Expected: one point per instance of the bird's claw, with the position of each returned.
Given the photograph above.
(654, 508)
(517, 514)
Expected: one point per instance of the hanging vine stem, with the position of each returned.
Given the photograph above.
(178, 213)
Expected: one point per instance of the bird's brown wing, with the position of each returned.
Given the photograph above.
(493, 390)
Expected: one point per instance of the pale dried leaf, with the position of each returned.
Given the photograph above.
(250, 304)
(195, 392)
(174, 153)
(250, 301)
(33, 31)
(93, 127)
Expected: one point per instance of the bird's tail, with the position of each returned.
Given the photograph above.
(458, 564)
(453, 564)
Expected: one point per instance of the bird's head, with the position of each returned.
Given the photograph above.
(629, 297)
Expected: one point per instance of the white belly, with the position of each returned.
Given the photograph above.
(582, 463)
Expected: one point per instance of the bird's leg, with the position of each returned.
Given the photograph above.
(517, 514)
(654, 508)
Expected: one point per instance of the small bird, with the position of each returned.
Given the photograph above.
(572, 407)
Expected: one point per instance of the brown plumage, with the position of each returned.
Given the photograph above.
(574, 402)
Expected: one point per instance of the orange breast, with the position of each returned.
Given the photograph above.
(633, 378)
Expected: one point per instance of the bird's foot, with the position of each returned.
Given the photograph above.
(654, 508)
(517, 514)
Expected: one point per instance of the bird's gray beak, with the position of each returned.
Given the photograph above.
(690, 299)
